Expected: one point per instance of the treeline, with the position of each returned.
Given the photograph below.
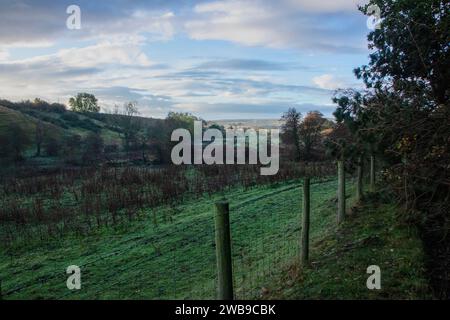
(303, 138)
(401, 120)
(84, 136)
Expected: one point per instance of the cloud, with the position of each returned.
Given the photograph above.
(333, 82)
(271, 109)
(147, 102)
(104, 53)
(317, 26)
(112, 55)
(91, 59)
(214, 85)
(246, 64)
(4, 55)
(312, 25)
(328, 81)
(72, 70)
(325, 6)
(191, 73)
(28, 23)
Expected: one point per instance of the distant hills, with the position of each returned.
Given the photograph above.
(248, 123)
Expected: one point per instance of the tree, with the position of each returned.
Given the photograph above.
(14, 141)
(84, 102)
(411, 49)
(408, 75)
(128, 122)
(353, 113)
(52, 146)
(338, 143)
(39, 137)
(93, 148)
(407, 80)
(218, 127)
(178, 120)
(72, 146)
(290, 130)
(310, 130)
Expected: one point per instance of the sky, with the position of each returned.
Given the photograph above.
(228, 59)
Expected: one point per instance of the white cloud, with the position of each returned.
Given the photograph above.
(311, 25)
(104, 53)
(4, 54)
(41, 23)
(325, 6)
(148, 24)
(116, 68)
(101, 54)
(329, 82)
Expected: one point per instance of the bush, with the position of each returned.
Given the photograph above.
(52, 147)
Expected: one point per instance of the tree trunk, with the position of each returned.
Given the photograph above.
(341, 191)
(372, 173)
(305, 223)
(359, 180)
(38, 149)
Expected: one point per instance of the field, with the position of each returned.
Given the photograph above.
(169, 259)
(168, 252)
(340, 258)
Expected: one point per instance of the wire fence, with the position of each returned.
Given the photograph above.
(176, 258)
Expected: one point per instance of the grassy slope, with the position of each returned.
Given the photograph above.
(370, 236)
(8, 116)
(173, 260)
(28, 123)
(177, 260)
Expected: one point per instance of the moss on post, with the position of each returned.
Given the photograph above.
(372, 173)
(341, 191)
(223, 251)
(359, 180)
(304, 253)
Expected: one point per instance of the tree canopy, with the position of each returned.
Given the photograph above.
(404, 113)
(84, 102)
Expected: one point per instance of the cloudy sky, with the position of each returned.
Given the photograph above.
(228, 59)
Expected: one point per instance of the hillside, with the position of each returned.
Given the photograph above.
(59, 124)
(169, 252)
(370, 236)
(8, 116)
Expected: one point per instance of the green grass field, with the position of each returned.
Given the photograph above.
(8, 116)
(28, 123)
(371, 235)
(169, 253)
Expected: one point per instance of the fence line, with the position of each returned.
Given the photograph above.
(188, 249)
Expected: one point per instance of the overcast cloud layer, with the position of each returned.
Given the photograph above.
(218, 59)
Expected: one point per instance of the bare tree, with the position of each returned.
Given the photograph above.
(39, 137)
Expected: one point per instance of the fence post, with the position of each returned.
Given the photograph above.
(223, 251)
(359, 180)
(304, 253)
(372, 173)
(341, 191)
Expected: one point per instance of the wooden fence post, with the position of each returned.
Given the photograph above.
(341, 191)
(304, 248)
(223, 251)
(372, 173)
(359, 180)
